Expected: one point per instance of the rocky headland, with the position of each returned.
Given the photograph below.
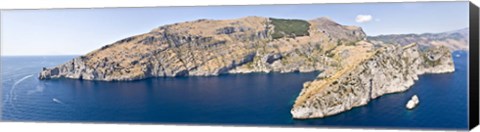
(354, 69)
(212, 47)
(388, 69)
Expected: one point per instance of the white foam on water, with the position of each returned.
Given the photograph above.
(57, 101)
(14, 86)
(12, 95)
(39, 88)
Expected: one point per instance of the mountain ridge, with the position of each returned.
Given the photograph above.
(259, 44)
(454, 40)
(208, 47)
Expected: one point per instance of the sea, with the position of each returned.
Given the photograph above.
(257, 99)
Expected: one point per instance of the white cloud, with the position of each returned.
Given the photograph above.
(363, 18)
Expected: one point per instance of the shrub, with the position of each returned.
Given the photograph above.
(289, 28)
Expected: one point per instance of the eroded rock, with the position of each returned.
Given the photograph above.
(389, 69)
(413, 102)
(207, 48)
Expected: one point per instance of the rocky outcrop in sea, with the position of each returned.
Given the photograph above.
(413, 102)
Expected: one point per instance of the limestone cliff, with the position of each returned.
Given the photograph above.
(388, 69)
(354, 70)
(212, 47)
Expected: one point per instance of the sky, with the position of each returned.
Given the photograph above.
(79, 31)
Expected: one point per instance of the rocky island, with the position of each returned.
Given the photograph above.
(413, 102)
(354, 70)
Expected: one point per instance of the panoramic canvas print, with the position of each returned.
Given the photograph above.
(388, 65)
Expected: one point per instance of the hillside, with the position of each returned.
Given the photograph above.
(354, 70)
(212, 47)
(454, 40)
(389, 69)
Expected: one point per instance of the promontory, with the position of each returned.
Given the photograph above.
(353, 69)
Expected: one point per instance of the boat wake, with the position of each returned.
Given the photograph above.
(14, 86)
(12, 95)
(57, 101)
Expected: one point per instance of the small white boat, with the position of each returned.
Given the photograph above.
(57, 101)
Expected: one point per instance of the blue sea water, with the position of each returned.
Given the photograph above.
(247, 99)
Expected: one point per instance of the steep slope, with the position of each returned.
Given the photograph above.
(354, 70)
(386, 70)
(454, 40)
(213, 47)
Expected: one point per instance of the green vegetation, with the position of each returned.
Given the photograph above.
(329, 52)
(289, 28)
(346, 42)
(350, 44)
(250, 65)
(430, 62)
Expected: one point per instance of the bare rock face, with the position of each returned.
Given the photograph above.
(209, 48)
(335, 30)
(389, 69)
(354, 71)
(413, 102)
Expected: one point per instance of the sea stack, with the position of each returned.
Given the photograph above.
(413, 102)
